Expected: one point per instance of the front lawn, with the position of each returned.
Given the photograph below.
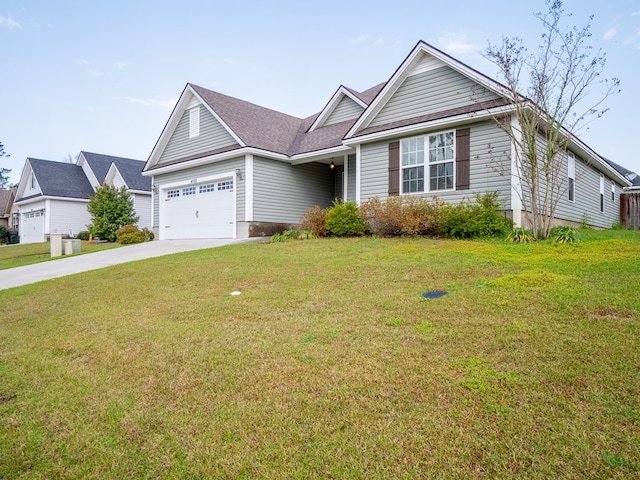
(329, 364)
(26, 254)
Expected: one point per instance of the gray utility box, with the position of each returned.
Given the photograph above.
(72, 246)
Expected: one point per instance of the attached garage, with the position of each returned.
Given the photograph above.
(32, 227)
(198, 210)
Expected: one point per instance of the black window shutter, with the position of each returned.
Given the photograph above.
(394, 168)
(463, 158)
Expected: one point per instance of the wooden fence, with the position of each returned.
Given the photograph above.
(630, 210)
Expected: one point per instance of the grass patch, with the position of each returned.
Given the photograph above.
(19, 255)
(330, 364)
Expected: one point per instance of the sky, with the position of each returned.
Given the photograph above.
(103, 77)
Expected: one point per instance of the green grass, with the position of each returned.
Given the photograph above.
(19, 255)
(329, 364)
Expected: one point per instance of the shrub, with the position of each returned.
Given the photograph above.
(130, 234)
(343, 220)
(475, 220)
(110, 208)
(4, 234)
(563, 234)
(83, 235)
(291, 235)
(314, 220)
(520, 235)
(382, 218)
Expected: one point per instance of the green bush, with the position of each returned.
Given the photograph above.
(110, 208)
(562, 234)
(520, 235)
(291, 235)
(343, 220)
(130, 234)
(474, 220)
(4, 234)
(314, 220)
(83, 235)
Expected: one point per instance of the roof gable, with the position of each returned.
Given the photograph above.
(6, 201)
(422, 60)
(55, 179)
(344, 104)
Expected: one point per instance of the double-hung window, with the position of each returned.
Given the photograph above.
(412, 155)
(602, 193)
(437, 161)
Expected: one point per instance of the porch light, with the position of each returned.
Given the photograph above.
(332, 165)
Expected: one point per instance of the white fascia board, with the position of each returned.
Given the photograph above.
(140, 192)
(318, 154)
(48, 197)
(240, 152)
(433, 124)
(24, 178)
(332, 104)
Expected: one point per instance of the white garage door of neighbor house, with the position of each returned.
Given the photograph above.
(32, 227)
(198, 211)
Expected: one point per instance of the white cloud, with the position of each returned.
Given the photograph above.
(636, 14)
(152, 102)
(82, 61)
(228, 61)
(379, 41)
(609, 34)
(360, 39)
(121, 65)
(456, 44)
(9, 22)
(94, 72)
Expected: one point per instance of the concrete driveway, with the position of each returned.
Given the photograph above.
(16, 277)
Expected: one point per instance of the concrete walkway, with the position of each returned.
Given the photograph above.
(16, 277)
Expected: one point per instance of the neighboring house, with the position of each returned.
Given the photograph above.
(223, 167)
(53, 196)
(6, 205)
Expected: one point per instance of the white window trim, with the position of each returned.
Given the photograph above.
(426, 164)
(571, 174)
(601, 199)
(613, 191)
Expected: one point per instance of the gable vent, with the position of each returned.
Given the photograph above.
(194, 122)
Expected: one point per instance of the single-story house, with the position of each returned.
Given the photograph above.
(7, 197)
(224, 167)
(53, 196)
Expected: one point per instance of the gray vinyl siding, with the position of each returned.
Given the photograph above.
(586, 207)
(489, 169)
(351, 181)
(212, 136)
(67, 217)
(282, 192)
(429, 92)
(338, 183)
(142, 207)
(200, 172)
(346, 109)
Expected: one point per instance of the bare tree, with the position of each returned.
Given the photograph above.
(559, 79)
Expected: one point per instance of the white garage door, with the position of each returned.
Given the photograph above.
(198, 211)
(32, 227)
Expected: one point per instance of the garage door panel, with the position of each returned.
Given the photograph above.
(199, 211)
(32, 227)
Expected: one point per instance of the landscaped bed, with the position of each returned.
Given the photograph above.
(330, 363)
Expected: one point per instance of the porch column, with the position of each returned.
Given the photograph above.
(358, 174)
(345, 178)
(516, 185)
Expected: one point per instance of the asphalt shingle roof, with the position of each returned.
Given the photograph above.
(59, 179)
(5, 196)
(130, 169)
(277, 132)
